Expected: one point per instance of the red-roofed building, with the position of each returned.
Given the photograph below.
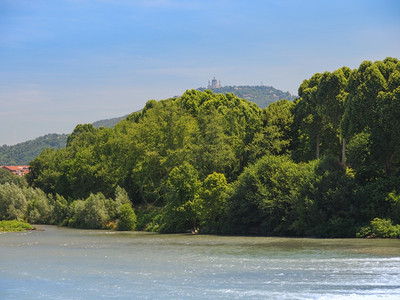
(17, 170)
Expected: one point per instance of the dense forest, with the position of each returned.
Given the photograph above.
(326, 164)
(23, 153)
(261, 95)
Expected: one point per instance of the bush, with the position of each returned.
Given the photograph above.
(127, 218)
(181, 193)
(380, 228)
(147, 218)
(330, 209)
(13, 202)
(90, 213)
(212, 203)
(40, 207)
(60, 210)
(14, 226)
(265, 198)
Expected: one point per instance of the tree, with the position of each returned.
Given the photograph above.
(40, 207)
(319, 111)
(78, 130)
(265, 197)
(306, 113)
(212, 203)
(8, 177)
(13, 202)
(90, 213)
(275, 137)
(331, 95)
(372, 107)
(181, 192)
(46, 171)
(213, 149)
(127, 218)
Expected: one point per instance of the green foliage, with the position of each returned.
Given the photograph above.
(60, 210)
(90, 213)
(394, 201)
(13, 203)
(372, 107)
(147, 218)
(23, 153)
(40, 207)
(8, 226)
(318, 114)
(127, 218)
(216, 163)
(80, 130)
(380, 228)
(377, 198)
(265, 197)
(275, 136)
(209, 131)
(328, 209)
(181, 192)
(359, 157)
(8, 177)
(28, 204)
(212, 202)
(46, 171)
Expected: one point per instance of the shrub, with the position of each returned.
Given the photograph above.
(90, 213)
(127, 218)
(14, 226)
(13, 202)
(40, 207)
(380, 228)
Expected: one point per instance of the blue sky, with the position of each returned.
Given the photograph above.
(65, 62)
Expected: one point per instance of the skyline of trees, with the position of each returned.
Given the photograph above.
(220, 164)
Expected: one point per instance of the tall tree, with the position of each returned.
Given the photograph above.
(306, 115)
(372, 107)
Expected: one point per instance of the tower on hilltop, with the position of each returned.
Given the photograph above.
(214, 84)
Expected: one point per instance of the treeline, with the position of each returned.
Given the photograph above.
(325, 165)
(260, 94)
(20, 202)
(23, 153)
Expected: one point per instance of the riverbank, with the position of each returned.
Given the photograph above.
(11, 226)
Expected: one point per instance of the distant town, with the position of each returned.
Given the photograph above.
(16, 170)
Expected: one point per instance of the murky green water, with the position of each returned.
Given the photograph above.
(61, 263)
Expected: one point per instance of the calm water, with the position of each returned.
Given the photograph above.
(61, 263)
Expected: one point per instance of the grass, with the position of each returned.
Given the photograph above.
(9, 226)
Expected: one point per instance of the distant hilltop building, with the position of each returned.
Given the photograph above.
(214, 84)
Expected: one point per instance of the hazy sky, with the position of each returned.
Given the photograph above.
(64, 62)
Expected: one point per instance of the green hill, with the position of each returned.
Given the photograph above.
(108, 123)
(261, 95)
(23, 153)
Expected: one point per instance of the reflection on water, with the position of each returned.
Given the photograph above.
(61, 263)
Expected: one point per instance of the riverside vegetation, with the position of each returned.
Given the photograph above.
(326, 164)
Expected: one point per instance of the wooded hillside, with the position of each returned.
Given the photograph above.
(23, 153)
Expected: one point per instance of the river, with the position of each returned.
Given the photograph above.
(63, 263)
